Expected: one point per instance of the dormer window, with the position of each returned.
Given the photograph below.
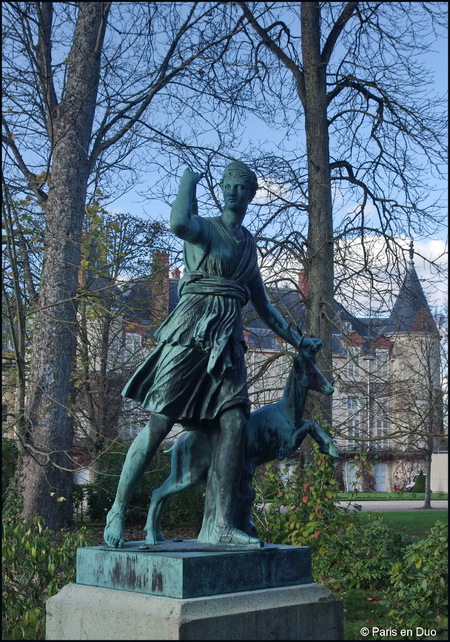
(346, 328)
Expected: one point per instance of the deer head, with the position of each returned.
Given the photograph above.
(306, 370)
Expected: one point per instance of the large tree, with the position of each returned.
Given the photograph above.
(48, 436)
(86, 84)
(345, 82)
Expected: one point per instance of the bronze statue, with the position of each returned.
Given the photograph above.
(272, 432)
(197, 376)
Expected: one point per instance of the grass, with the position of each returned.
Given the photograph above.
(356, 497)
(361, 607)
(414, 523)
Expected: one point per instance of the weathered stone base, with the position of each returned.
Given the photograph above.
(189, 569)
(305, 612)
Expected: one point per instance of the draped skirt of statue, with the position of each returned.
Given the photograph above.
(198, 369)
(174, 381)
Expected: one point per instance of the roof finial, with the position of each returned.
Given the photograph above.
(411, 251)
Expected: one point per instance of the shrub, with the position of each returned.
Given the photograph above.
(36, 563)
(360, 555)
(182, 509)
(303, 512)
(419, 486)
(418, 592)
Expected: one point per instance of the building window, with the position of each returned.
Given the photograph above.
(346, 328)
(131, 420)
(353, 364)
(353, 477)
(382, 365)
(133, 341)
(381, 423)
(266, 377)
(255, 378)
(352, 406)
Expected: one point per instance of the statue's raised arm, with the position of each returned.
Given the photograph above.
(185, 206)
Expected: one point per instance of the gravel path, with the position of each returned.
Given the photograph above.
(396, 505)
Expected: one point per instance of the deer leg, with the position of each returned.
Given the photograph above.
(189, 466)
(325, 442)
(160, 495)
(152, 526)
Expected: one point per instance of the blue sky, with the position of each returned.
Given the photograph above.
(255, 130)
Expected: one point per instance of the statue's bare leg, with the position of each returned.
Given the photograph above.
(136, 462)
(191, 458)
(152, 526)
(219, 523)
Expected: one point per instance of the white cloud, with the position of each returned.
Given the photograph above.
(379, 284)
(270, 189)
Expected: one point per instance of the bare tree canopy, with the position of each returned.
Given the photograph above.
(363, 137)
(85, 85)
(97, 95)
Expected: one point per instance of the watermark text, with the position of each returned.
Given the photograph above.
(417, 632)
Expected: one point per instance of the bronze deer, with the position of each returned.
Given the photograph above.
(274, 431)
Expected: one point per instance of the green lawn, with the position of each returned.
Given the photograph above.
(362, 610)
(361, 606)
(414, 523)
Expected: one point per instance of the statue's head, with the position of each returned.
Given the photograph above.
(238, 168)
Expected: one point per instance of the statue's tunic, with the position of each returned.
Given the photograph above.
(198, 368)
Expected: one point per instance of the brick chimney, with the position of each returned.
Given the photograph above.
(176, 273)
(303, 283)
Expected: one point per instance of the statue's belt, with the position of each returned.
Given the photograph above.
(198, 283)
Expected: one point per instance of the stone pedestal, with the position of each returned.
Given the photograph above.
(187, 591)
(188, 569)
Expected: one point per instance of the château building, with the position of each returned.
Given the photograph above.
(387, 403)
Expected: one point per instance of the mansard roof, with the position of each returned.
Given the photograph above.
(135, 298)
(288, 302)
(262, 339)
(410, 313)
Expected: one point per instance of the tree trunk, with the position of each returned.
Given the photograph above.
(320, 270)
(46, 475)
(427, 498)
